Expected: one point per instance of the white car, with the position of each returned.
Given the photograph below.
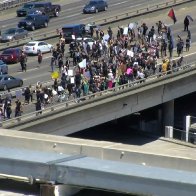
(89, 40)
(34, 47)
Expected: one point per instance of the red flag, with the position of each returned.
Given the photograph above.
(172, 15)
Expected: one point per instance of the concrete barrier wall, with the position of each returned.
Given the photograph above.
(97, 149)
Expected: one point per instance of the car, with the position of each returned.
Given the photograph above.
(78, 30)
(3, 68)
(34, 21)
(13, 34)
(33, 47)
(94, 6)
(46, 8)
(88, 40)
(11, 55)
(23, 11)
(8, 82)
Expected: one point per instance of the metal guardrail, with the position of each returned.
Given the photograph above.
(101, 22)
(7, 4)
(102, 94)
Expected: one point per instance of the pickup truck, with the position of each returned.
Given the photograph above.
(45, 8)
(33, 21)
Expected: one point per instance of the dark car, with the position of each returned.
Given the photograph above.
(45, 8)
(11, 55)
(3, 68)
(78, 30)
(13, 34)
(94, 6)
(23, 11)
(8, 82)
(34, 21)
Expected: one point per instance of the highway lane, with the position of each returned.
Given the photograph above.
(72, 13)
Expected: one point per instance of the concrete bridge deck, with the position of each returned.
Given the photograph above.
(68, 118)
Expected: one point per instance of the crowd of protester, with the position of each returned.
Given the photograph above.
(113, 59)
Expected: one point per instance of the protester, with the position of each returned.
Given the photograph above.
(186, 24)
(39, 57)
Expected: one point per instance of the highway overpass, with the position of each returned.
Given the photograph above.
(154, 168)
(67, 118)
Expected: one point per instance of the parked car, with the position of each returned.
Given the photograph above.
(46, 8)
(8, 82)
(3, 68)
(23, 11)
(11, 55)
(34, 21)
(13, 34)
(94, 6)
(34, 47)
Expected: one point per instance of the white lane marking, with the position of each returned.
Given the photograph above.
(132, 6)
(73, 15)
(118, 3)
(86, 18)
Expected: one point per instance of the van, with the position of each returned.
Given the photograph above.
(74, 29)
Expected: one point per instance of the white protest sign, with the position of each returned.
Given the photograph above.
(125, 32)
(82, 64)
(72, 80)
(70, 72)
(132, 25)
(106, 37)
(73, 36)
(130, 53)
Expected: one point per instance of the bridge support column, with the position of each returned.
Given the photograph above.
(168, 114)
(188, 124)
(58, 190)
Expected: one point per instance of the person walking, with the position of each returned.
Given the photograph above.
(52, 64)
(8, 110)
(170, 48)
(23, 60)
(18, 108)
(186, 24)
(188, 44)
(39, 57)
(38, 107)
